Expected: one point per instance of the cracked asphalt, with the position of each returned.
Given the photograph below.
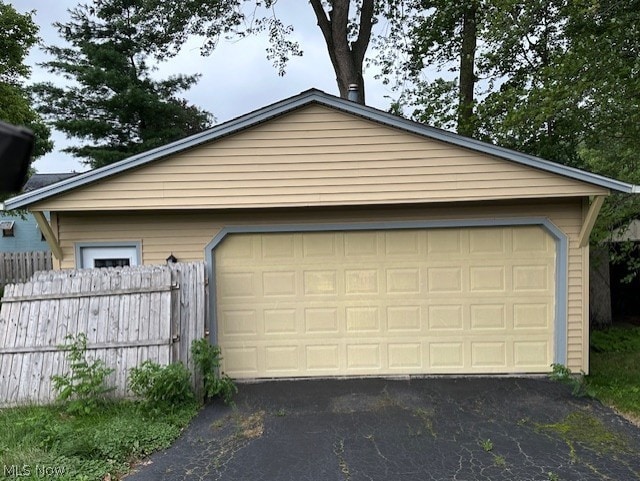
(419, 429)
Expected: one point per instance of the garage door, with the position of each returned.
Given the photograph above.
(470, 300)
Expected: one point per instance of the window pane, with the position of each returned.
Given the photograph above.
(110, 262)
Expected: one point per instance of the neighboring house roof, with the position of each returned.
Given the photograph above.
(38, 181)
(303, 99)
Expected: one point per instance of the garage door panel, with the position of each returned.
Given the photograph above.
(445, 317)
(279, 246)
(444, 279)
(402, 319)
(444, 241)
(531, 354)
(531, 240)
(446, 355)
(531, 278)
(533, 315)
(487, 316)
(386, 302)
(320, 283)
(487, 279)
(279, 284)
(399, 244)
(491, 354)
(322, 357)
(405, 355)
(280, 321)
(362, 319)
(361, 244)
(321, 320)
(362, 281)
(487, 241)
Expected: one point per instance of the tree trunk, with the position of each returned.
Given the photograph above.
(347, 58)
(466, 124)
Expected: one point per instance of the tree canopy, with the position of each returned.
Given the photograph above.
(18, 34)
(346, 26)
(111, 101)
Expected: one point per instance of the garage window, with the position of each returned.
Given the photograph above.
(108, 255)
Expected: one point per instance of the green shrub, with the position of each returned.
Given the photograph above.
(161, 387)
(207, 358)
(82, 389)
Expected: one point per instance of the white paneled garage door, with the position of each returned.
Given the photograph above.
(463, 300)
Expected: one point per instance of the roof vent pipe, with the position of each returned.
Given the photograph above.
(353, 92)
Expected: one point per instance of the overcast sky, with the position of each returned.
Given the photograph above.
(236, 78)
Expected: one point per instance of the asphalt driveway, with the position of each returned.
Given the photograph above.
(419, 429)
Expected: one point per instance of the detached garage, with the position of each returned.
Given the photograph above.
(344, 241)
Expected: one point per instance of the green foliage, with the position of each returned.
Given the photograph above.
(615, 368)
(577, 383)
(82, 389)
(18, 34)
(113, 103)
(161, 388)
(91, 447)
(207, 359)
(616, 339)
(553, 78)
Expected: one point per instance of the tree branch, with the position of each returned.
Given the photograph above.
(323, 21)
(359, 47)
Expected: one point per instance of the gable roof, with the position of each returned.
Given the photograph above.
(313, 96)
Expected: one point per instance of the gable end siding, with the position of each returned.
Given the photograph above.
(317, 156)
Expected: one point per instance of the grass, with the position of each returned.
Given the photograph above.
(615, 369)
(45, 441)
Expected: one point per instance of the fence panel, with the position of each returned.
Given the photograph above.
(128, 314)
(20, 266)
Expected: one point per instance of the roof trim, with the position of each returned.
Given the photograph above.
(292, 103)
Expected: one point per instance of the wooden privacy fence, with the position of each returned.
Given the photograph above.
(20, 266)
(129, 315)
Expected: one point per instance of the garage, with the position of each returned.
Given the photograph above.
(386, 302)
(341, 240)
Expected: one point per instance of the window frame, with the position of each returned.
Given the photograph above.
(80, 248)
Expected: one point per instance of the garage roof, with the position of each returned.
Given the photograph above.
(303, 99)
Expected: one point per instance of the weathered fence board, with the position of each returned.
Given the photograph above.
(20, 266)
(129, 315)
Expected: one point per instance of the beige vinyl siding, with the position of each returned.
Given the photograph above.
(317, 156)
(187, 234)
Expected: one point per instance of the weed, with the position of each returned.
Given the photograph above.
(578, 384)
(499, 461)
(207, 358)
(281, 413)
(83, 389)
(161, 387)
(426, 416)
(486, 444)
(552, 476)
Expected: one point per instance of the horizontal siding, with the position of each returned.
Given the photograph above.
(318, 157)
(187, 234)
